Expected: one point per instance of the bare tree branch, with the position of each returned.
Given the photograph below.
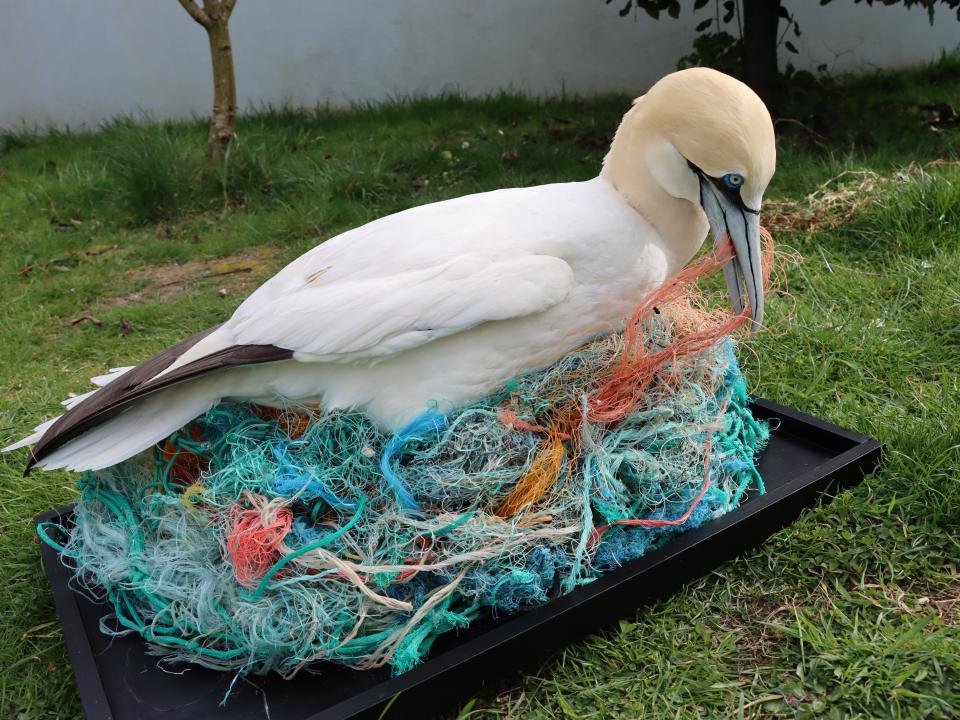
(196, 13)
(228, 6)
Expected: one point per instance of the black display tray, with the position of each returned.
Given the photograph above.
(118, 680)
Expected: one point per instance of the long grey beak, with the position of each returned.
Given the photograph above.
(729, 217)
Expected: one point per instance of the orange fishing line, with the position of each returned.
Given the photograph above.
(510, 419)
(619, 394)
(539, 478)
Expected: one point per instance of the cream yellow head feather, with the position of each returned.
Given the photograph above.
(698, 145)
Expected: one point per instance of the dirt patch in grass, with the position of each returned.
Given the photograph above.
(947, 604)
(233, 273)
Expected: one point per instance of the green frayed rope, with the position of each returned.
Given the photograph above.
(162, 563)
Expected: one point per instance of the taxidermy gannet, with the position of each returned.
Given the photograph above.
(441, 304)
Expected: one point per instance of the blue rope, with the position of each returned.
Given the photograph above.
(430, 423)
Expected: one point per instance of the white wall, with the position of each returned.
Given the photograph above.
(78, 62)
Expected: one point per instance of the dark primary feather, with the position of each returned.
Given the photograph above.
(112, 399)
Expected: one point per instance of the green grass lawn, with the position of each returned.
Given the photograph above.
(115, 244)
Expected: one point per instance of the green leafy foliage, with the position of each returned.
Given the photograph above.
(726, 51)
(719, 50)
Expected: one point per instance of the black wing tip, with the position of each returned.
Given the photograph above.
(76, 420)
(110, 400)
(31, 463)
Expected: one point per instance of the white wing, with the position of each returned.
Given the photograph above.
(435, 270)
(372, 317)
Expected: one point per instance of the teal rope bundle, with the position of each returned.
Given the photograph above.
(247, 544)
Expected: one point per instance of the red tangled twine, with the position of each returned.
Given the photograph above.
(185, 467)
(620, 393)
(510, 419)
(254, 538)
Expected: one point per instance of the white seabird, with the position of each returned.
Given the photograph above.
(440, 304)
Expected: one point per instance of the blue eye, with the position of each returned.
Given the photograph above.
(733, 180)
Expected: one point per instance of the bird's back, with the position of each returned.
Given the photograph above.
(558, 219)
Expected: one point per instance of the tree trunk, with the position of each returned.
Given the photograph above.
(760, 21)
(214, 17)
(223, 119)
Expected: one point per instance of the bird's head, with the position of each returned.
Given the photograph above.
(703, 137)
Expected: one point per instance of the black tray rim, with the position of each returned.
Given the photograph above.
(845, 468)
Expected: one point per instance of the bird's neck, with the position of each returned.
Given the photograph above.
(681, 225)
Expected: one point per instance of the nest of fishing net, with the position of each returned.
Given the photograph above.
(264, 541)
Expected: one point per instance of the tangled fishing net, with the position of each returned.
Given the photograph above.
(265, 541)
